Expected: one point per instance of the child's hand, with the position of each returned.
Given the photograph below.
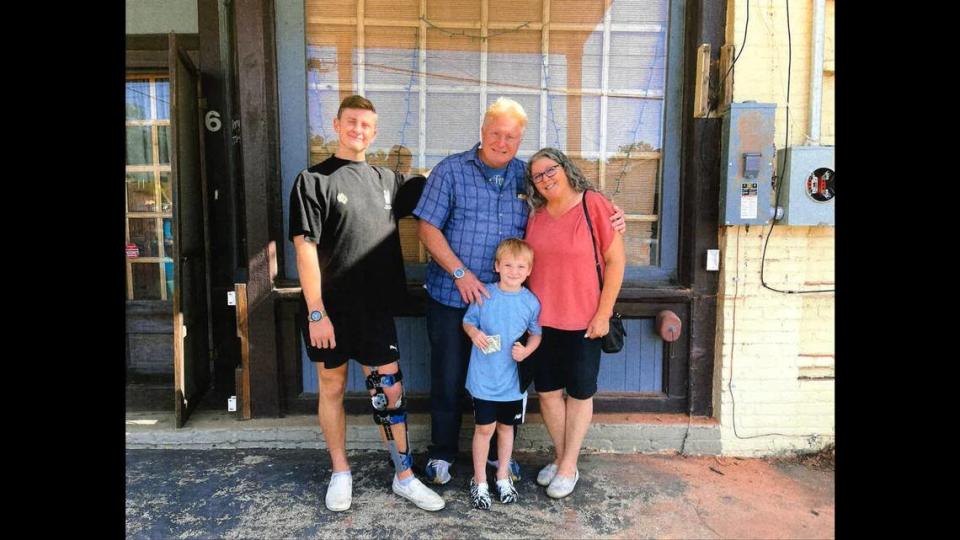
(519, 352)
(479, 339)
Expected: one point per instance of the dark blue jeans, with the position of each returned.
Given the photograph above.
(449, 357)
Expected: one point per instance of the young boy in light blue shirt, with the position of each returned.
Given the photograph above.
(495, 327)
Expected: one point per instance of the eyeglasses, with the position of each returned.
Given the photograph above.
(550, 172)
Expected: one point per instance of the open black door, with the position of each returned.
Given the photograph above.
(191, 342)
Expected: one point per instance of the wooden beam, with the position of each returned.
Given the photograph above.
(484, 48)
(256, 93)
(701, 104)
(699, 214)
(726, 91)
(463, 25)
(243, 332)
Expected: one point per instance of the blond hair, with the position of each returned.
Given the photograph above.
(506, 107)
(516, 247)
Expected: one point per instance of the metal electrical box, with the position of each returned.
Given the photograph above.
(747, 153)
(809, 185)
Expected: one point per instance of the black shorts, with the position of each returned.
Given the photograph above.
(509, 413)
(368, 338)
(566, 359)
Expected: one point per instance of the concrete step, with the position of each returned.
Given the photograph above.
(608, 433)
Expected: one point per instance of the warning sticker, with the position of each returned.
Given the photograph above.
(748, 200)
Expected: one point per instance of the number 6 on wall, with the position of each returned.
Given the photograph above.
(212, 120)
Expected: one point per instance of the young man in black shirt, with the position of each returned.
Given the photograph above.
(343, 224)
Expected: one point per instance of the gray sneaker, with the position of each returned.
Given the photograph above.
(561, 486)
(514, 468)
(418, 494)
(339, 493)
(438, 471)
(546, 474)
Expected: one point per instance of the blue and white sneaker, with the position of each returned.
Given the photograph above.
(438, 471)
(514, 468)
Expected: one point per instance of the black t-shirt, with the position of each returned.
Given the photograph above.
(350, 210)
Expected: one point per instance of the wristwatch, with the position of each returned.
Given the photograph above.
(315, 316)
(459, 273)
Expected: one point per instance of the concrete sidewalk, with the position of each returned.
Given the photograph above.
(278, 493)
(609, 432)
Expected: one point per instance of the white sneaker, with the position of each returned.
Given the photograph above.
(418, 494)
(561, 486)
(546, 474)
(340, 492)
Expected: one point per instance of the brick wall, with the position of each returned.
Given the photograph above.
(775, 352)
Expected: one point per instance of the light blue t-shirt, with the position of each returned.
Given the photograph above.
(494, 376)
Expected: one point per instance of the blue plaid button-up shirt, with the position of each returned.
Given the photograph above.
(474, 215)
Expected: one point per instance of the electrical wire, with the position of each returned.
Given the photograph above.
(408, 91)
(471, 36)
(746, 26)
(636, 131)
(736, 293)
(780, 169)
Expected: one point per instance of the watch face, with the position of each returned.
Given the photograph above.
(315, 315)
(458, 273)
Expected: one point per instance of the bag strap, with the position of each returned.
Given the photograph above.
(592, 239)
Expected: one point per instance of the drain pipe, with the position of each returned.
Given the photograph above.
(816, 74)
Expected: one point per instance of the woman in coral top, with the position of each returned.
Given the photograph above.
(574, 313)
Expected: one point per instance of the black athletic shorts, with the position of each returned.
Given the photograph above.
(368, 338)
(509, 413)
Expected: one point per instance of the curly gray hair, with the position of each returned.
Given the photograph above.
(577, 181)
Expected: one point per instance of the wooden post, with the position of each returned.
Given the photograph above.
(243, 334)
(726, 91)
(701, 97)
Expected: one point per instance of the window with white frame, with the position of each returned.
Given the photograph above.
(590, 73)
(149, 203)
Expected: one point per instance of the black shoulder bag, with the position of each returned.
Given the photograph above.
(613, 341)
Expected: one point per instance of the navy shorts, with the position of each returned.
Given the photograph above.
(566, 359)
(509, 413)
(368, 338)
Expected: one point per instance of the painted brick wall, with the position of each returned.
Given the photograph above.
(773, 389)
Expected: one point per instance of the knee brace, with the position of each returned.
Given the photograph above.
(386, 418)
(377, 382)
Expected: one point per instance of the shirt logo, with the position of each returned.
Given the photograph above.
(342, 197)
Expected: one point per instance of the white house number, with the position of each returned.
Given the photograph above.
(212, 119)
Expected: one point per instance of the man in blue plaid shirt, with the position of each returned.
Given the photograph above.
(472, 201)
